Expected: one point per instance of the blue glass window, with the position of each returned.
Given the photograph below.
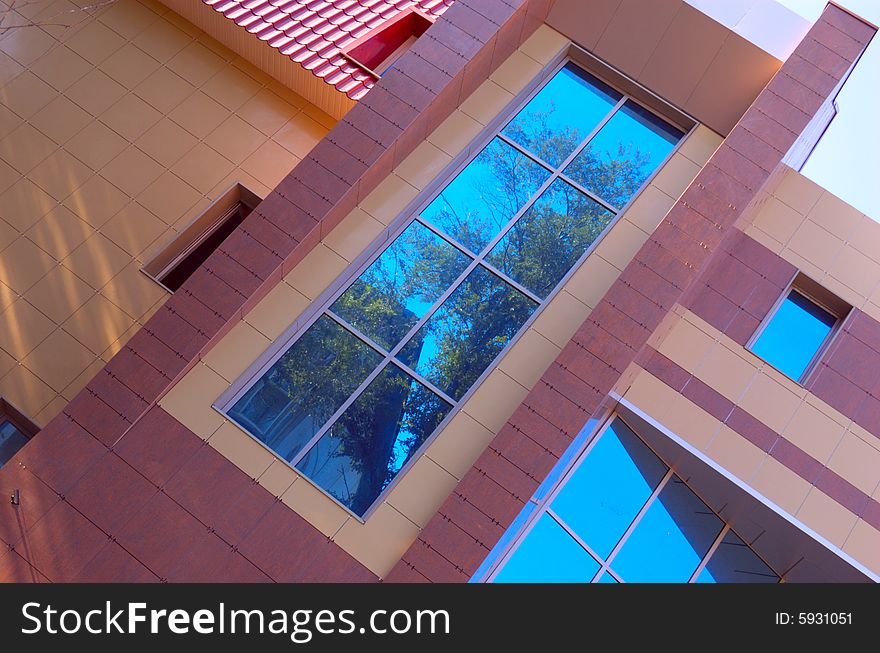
(622, 511)
(607, 490)
(11, 440)
(358, 392)
(376, 435)
(794, 335)
(562, 114)
(549, 555)
(618, 160)
(486, 195)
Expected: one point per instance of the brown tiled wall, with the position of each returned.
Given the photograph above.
(468, 525)
(113, 412)
(762, 436)
(737, 291)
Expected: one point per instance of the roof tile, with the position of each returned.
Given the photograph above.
(312, 32)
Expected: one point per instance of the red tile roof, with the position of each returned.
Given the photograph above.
(314, 32)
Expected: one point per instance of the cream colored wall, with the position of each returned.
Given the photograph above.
(393, 526)
(809, 423)
(259, 53)
(115, 133)
(826, 238)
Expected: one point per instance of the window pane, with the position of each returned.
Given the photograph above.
(548, 555)
(794, 334)
(486, 195)
(11, 440)
(401, 285)
(607, 490)
(734, 562)
(670, 540)
(561, 115)
(607, 578)
(293, 399)
(467, 332)
(550, 237)
(623, 154)
(375, 436)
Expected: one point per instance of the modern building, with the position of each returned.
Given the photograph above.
(471, 291)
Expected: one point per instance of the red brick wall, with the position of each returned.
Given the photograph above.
(575, 387)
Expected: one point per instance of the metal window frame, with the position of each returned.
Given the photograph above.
(796, 285)
(412, 213)
(544, 506)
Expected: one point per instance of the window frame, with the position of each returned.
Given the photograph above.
(809, 290)
(542, 506)
(9, 413)
(629, 89)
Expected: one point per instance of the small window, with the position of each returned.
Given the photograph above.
(15, 431)
(192, 247)
(798, 330)
(378, 50)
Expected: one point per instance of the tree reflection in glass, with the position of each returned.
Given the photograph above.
(467, 332)
(550, 237)
(617, 160)
(401, 285)
(486, 195)
(374, 438)
(292, 400)
(562, 114)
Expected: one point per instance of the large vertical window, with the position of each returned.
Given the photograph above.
(622, 515)
(352, 399)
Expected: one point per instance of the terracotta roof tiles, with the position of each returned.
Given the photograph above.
(313, 33)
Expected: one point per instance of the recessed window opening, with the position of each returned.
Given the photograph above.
(352, 396)
(15, 431)
(380, 49)
(192, 247)
(798, 330)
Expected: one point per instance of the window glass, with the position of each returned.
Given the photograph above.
(442, 300)
(375, 436)
(11, 440)
(622, 508)
(670, 540)
(549, 555)
(486, 195)
(794, 335)
(562, 114)
(607, 490)
(550, 237)
(299, 393)
(734, 562)
(467, 332)
(624, 153)
(387, 300)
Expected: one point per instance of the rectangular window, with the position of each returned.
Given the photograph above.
(799, 328)
(355, 394)
(192, 247)
(15, 431)
(621, 514)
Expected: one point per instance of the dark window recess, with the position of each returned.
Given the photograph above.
(196, 243)
(378, 50)
(15, 431)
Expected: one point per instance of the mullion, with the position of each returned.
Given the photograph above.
(635, 522)
(577, 538)
(709, 553)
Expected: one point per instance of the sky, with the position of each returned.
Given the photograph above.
(847, 159)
